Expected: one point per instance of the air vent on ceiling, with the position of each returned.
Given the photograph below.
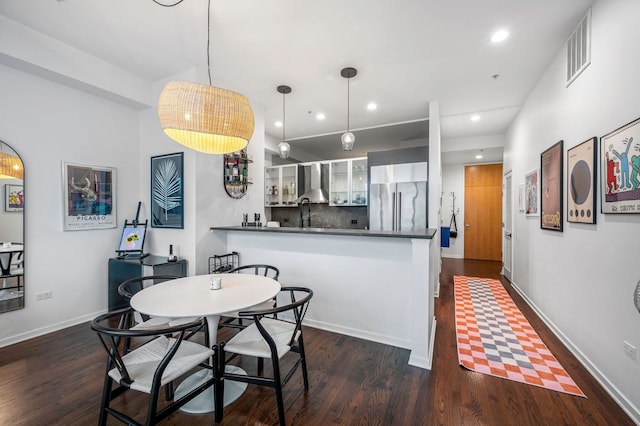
(579, 49)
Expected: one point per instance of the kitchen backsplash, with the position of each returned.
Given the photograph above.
(323, 216)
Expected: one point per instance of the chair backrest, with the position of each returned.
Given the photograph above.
(131, 286)
(111, 337)
(257, 269)
(298, 298)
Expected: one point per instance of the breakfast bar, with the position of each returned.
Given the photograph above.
(375, 285)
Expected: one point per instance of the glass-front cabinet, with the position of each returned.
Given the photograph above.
(281, 186)
(348, 182)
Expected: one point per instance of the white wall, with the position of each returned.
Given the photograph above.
(47, 123)
(582, 280)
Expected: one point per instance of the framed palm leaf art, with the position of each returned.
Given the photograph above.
(167, 191)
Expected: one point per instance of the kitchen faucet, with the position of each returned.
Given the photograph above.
(303, 202)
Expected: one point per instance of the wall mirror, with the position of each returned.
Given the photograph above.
(12, 285)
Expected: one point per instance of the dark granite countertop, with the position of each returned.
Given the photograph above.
(425, 234)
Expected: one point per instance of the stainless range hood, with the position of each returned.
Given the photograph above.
(312, 180)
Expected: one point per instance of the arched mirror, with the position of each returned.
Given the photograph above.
(11, 230)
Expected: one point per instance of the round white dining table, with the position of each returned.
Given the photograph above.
(193, 297)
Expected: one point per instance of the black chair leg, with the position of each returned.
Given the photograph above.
(218, 370)
(106, 398)
(260, 366)
(303, 358)
(278, 385)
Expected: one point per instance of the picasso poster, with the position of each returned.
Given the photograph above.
(89, 197)
(620, 157)
(551, 162)
(14, 198)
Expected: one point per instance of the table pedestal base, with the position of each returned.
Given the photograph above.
(205, 402)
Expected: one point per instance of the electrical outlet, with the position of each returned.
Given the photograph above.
(630, 350)
(354, 221)
(44, 295)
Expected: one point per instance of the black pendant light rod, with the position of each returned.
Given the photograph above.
(348, 73)
(284, 90)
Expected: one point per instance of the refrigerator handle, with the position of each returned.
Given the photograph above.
(399, 227)
(393, 212)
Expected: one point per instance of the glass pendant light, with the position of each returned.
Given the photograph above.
(348, 138)
(284, 149)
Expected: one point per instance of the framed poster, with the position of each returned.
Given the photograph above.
(620, 157)
(13, 198)
(167, 191)
(581, 182)
(551, 188)
(532, 193)
(89, 197)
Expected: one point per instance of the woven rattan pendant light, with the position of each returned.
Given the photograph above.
(205, 118)
(10, 165)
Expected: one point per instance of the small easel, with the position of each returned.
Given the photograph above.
(137, 253)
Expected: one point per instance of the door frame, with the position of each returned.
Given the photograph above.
(507, 199)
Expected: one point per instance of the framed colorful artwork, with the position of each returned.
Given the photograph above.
(532, 193)
(620, 159)
(167, 191)
(551, 162)
(89, 197)
(581, 182)
(14, 198)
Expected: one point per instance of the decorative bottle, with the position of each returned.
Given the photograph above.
(234, 170)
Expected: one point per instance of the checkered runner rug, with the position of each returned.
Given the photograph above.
(495, 338)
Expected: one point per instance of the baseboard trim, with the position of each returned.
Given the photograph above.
(374, 337)
(48, 329)
(609, 387)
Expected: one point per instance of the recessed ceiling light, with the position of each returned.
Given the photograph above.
(479, 156)
(372, 106)
(500, 35)
(278, 124)
(319, 116)
(475, 117)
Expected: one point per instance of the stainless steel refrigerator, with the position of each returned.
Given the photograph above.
(398, 197)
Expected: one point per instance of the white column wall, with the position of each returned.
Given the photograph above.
(581, 280)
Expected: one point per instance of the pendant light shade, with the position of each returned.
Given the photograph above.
(348, 138)
(10, 167)
(284, 149)
(205, 118)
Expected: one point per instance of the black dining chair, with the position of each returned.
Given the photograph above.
(268, 338)
(232, 319)
(158, 362)
(140, 321)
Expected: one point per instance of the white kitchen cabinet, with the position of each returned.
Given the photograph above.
(281, 186)
(348, 182)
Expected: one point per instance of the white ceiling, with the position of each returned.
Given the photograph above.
(407, 52)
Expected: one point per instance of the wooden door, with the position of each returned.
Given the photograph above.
(483, 212)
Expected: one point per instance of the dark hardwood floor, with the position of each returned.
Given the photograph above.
(57, 379)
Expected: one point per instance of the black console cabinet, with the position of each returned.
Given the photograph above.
(121, 270)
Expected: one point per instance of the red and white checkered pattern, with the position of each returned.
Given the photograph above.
(495, 338)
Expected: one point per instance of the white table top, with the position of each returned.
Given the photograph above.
(11, 249)
(192, 296)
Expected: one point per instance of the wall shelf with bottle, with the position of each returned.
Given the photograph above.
(236, 173)
(281, 186)
(348, 182)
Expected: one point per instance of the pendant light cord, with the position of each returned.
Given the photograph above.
(208, 31)
(283, 115)
(348, 101)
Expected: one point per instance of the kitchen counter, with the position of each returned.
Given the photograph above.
(422, 234)
(374, 285)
